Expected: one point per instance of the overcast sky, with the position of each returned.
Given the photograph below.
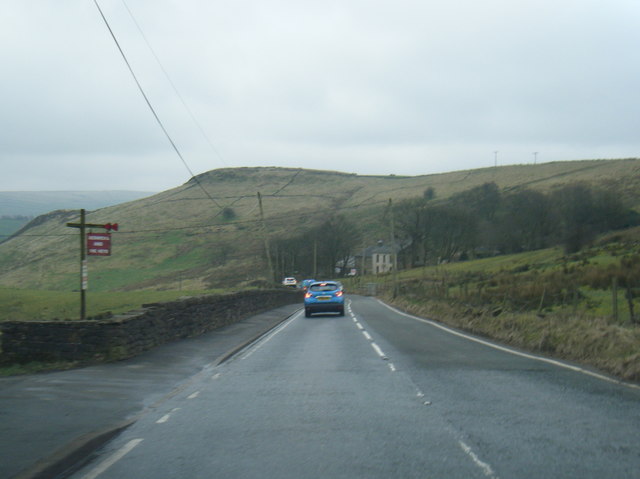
(403, 87)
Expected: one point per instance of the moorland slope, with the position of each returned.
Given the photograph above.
(209, 232)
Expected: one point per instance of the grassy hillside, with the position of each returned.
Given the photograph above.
(208, 233)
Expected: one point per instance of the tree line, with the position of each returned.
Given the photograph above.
(485, 221)
(481, 221)
(317, 251)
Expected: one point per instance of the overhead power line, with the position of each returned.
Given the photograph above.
(175, 89)
(153, 111)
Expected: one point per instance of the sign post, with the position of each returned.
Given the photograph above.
(98, 245)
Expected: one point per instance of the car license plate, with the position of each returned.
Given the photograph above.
(324, 298)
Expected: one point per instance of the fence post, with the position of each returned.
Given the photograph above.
(541, 305)
(614, 298)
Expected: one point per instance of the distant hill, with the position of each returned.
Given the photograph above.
(34, 203)
(17, 208)
(209, 232)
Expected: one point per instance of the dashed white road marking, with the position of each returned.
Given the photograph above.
(111, 460)
(194, 395)
(373, 345)
(166, 417)
(379, 351)
(163, 419)
(486, 468)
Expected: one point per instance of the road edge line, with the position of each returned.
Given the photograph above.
(515, 352)
(72, 453)
(236, 349)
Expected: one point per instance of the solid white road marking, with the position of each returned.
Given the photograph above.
(513, 351)
(258, 345)
(111, 460)
(486, 468)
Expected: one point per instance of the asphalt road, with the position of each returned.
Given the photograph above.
(380, 394)
(47, 420)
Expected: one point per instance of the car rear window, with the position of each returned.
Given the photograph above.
(323, 287)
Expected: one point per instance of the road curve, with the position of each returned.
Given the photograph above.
(381, 394)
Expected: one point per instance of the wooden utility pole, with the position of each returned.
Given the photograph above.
(364, 258)
(315, 258)
(266, 239)
(394, 254)
(84, 274)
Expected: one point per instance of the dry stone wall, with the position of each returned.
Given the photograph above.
(127, 335)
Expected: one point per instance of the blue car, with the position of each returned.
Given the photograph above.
(304, 284)
(324, 297)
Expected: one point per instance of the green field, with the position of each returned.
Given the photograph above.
(32, 305)
(545, 273)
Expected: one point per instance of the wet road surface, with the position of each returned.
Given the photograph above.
(381, 394)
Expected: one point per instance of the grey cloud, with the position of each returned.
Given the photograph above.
(430, 85)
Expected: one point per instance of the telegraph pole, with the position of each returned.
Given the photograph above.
(393, 249)
(84, 273)
(315, 258)
(266, 239)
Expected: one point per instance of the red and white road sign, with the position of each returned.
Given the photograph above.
(99, 244)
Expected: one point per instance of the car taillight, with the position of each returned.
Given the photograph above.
(307, 295)
(339, 293)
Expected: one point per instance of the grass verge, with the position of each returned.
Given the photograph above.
(542, 301)
(591, 341)
(35, 305)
